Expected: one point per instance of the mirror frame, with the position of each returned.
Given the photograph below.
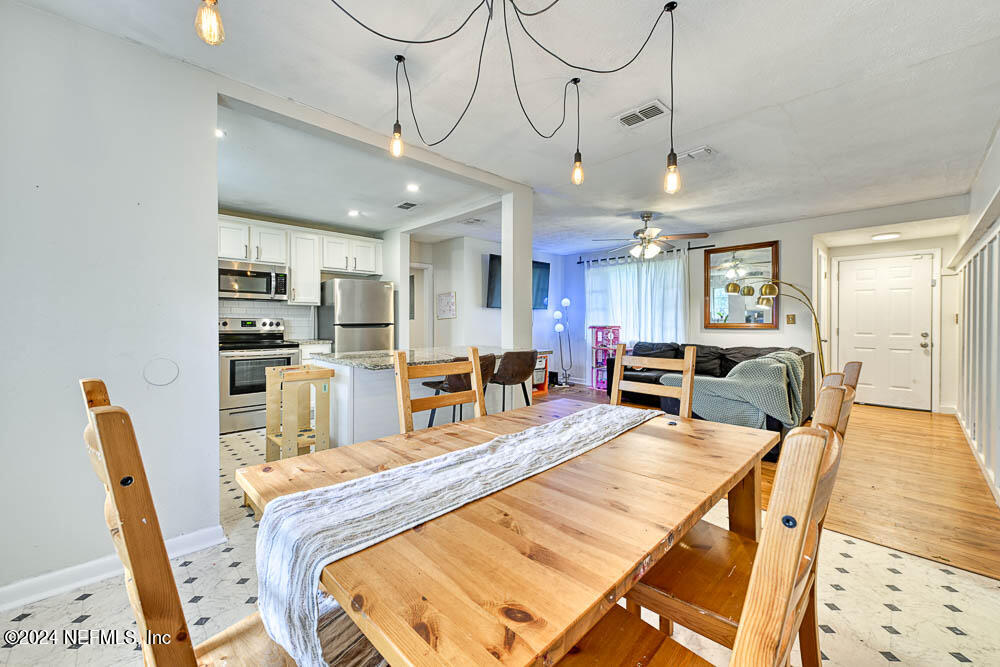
(773, 324)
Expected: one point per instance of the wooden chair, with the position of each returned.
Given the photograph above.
(684, 393)
(780, 589)
(833, 380)
(404, 373)
(287, 399)
(702, 583)
(852, 373)
(135, 531)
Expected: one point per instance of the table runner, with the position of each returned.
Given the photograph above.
(301, 533)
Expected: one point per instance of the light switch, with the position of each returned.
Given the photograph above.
(790, 318)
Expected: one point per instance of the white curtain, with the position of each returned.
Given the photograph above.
(647, 299)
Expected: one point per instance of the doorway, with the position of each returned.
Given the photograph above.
(421, 302)
(885, 320)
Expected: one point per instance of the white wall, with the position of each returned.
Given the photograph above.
(107, 220)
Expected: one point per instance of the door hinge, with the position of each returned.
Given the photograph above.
(933, 282)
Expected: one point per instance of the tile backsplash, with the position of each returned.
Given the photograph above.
(300, 321)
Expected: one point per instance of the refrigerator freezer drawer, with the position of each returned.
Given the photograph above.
(362, 338)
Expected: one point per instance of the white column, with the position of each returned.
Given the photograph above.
(515, 250)
(396, 267)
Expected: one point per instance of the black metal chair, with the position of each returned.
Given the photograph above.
(515, 368)
(452, 384)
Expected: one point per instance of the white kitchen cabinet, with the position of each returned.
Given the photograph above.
(307, 350)
(234, 240)
(304, 269)
(336, 253)
(269, 244)
(363, 255)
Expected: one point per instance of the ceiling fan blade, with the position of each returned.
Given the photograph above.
(610, 239)
(677, 237)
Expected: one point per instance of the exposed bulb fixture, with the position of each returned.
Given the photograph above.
(576, 177)
(564, 302)
(412, 187)
(220, 133)
(557, 315)
(672, 179)
(208, 23)
(559, 327)
(888, 236)
(396, 143)
(354, 213)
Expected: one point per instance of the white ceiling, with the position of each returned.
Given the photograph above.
(285, 170)
(813, 107)
(908, 231)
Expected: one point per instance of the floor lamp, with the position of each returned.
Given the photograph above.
(562, 327)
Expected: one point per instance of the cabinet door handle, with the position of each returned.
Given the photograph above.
(293, 294)
(246, 251)
(355, 263)
(258, 252)
(347, 261)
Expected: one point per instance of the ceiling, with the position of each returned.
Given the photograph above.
(812, 107)
(908, 231)
(276, 167)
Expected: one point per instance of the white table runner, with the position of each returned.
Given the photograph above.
(303, 532)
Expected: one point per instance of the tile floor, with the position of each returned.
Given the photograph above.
(877, 606)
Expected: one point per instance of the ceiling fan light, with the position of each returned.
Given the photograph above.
(653, 232)
(733, 288)
(652, 250)
(636, 251)
(746, 290)
(769, 289)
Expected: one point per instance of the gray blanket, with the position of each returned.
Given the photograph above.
(755, 388)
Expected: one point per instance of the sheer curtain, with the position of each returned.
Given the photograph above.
(647, 299)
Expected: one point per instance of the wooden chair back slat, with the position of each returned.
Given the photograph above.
(684, 393)
(783, 567)
(405, 372)
(833, 380)
(852, 374)
(95, 394)
(845, 411)
(135, 531)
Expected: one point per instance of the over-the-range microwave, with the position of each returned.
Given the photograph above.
(243, 280)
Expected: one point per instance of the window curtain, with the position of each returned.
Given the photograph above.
(647, 299)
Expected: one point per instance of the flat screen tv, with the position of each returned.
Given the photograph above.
(539, 284)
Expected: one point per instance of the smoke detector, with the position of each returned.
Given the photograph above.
(643, 113)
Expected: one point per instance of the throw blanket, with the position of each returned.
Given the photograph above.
(303, 532)
(755, 388)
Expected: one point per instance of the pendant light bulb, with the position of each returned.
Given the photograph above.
(576, 177)
(396, 143)
(672, 181)
(208, 23)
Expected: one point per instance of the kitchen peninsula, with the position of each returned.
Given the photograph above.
(363, 391)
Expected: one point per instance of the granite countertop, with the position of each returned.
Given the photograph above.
(380, 360)
(312, 341)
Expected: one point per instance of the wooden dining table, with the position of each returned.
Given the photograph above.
(519, 576)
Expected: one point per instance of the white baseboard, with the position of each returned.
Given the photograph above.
(53, 583)
(991, 480)
(947, 410)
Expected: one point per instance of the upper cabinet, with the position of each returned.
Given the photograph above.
(336, 253)
(234, 240)
(363, 255)
(351, 254)
(304, 269)
(270, 244)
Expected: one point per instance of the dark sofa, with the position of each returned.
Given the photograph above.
(713, 361)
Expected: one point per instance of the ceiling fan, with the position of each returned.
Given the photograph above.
(648, 240)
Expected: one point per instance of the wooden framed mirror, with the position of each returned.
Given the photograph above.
(746, 267)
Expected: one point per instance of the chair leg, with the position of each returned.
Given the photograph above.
(430, 422)
(809, 632)
(453, 414)
(524, 390)
(503, 398)
(461, 412)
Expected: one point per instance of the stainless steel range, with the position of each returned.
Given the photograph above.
(246, 347)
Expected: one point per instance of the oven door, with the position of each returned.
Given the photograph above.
(237, 283)
(241, 374)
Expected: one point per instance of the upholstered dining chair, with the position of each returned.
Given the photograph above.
(471, 367)
(515, 368)
(702, 583)
(152, 592)
(780, 582)
(461, 382)
(685, 393)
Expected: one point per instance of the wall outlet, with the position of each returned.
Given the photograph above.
(790, 318)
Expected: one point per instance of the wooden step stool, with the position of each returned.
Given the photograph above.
(289, 428)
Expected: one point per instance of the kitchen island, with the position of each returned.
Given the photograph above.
(363, 391)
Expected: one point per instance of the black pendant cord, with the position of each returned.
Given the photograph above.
(576, 82)
(415, 41)
(671, 82)
(517, 91)
(475, 87)
(536, 12)
(518, 14)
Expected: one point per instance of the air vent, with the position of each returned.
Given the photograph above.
(472, 221)
(406, 205)
(642, 113)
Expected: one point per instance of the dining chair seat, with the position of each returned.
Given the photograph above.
(623, 640)
(706, 576)
(515, 368)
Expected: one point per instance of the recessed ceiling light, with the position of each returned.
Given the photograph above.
(886, 237)
(353, 213)
(219, 133)
(413, 187)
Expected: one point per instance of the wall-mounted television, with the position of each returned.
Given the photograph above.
(539, 284)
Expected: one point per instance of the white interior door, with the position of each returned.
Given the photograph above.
(885, 323)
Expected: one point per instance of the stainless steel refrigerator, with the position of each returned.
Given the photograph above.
(357, 315)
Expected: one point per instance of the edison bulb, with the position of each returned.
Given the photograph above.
(208, 23)
(576, 177)
(559, 327)
(396, 143)
(557, 315)
(672, 181)
(565, 302)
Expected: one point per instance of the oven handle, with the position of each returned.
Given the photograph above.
(230, 354)
(244, 412)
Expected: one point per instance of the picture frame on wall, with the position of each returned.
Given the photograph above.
(733, 276)
(445, 307)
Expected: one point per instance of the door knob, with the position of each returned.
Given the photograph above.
(925, 345)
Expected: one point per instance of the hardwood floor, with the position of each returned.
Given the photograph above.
(907, 481)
